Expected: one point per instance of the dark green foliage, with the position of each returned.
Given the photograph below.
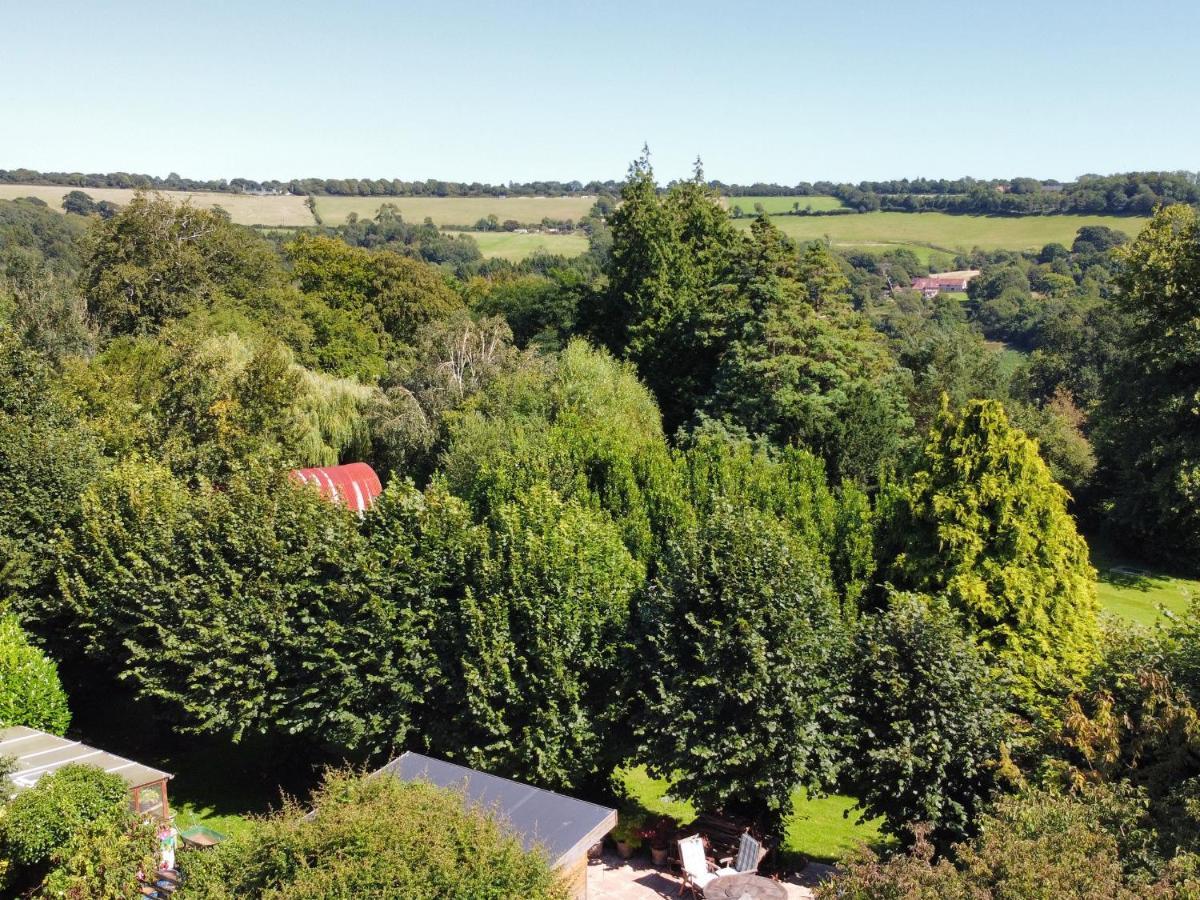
(42, 819)
(802, 366)
(983, 524)
(375, 837)
(665, 308)
(30, 691)
(46, 461)
(255, 608)
(925, 720)
(741, 648)
(1149, 426)
(526, 631)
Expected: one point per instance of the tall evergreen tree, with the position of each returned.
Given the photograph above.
(984, 525)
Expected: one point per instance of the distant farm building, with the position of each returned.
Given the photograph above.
(354, 485)
(952, 282)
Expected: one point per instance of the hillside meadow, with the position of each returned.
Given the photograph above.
(244, 209)
(515, 247)
(781, 205)
(942, 231)
(456, 210)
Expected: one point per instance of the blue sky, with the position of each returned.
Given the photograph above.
(783, 91)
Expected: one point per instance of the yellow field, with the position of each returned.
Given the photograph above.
(457, 210)
(515, 247)
(945, 232)
(245, 209)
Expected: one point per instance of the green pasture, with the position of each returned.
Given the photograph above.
(779, 205)
(457, 210)
(824, 828)
(944, 232)
(515, 247)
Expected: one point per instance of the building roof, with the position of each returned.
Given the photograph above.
(564, 826)
(354, 485)
(38, 753)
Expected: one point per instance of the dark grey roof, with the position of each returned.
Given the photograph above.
(564, 826)
(38, 753)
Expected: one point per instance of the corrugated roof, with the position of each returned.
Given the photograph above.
(564, 826)
(38, 753)
(354, 485)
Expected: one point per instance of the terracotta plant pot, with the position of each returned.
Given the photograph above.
(659, 855)
(624, 850)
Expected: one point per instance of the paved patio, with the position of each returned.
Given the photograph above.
(613, 878)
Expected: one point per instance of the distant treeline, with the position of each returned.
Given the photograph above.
(342, 187)
(1131, 193)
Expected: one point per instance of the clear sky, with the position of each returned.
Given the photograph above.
(786, 91)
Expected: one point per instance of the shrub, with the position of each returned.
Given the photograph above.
(30, 692)
(375, 837)
(44, 818)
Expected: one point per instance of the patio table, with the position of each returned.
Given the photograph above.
(744, 886)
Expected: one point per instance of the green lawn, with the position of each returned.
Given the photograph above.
(941, 231)
(1137, 593)
(816, 829)
(777, 205)
(515, 247)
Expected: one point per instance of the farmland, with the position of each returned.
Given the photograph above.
(946, 232)
(245, 209)
(780, 205)
(513, 246)
(456, 210)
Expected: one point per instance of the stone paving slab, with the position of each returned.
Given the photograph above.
(613, 878)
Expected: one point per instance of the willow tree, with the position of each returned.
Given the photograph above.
(983, 524)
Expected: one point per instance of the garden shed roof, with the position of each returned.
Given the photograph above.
(564, 826)
(38, 753)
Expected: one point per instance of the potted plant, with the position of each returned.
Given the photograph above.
(628, 833)
(658, 835)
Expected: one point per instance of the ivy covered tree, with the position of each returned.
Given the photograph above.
(741, 648)
(1149, 423)
(926, 721)
(983, 524)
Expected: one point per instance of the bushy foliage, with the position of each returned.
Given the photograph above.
(1149, 423)
(375, 837)
(1035, 846)
(250, 609)
(741, 645)
(41, 820)
(102, 860)
(926, 721)
(525, 618)
(46, 461)
(983, 524)
(30, 691)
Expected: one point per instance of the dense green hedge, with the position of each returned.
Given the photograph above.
(30, 692)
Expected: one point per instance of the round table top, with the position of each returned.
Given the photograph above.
(744, 887)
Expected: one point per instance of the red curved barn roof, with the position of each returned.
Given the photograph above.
(354, 485)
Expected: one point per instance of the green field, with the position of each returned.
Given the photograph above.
(245, 209)
(515, 247)
(941, 231)
(778, 205)
(816, 829)
(457, 210)
(1133, 592)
